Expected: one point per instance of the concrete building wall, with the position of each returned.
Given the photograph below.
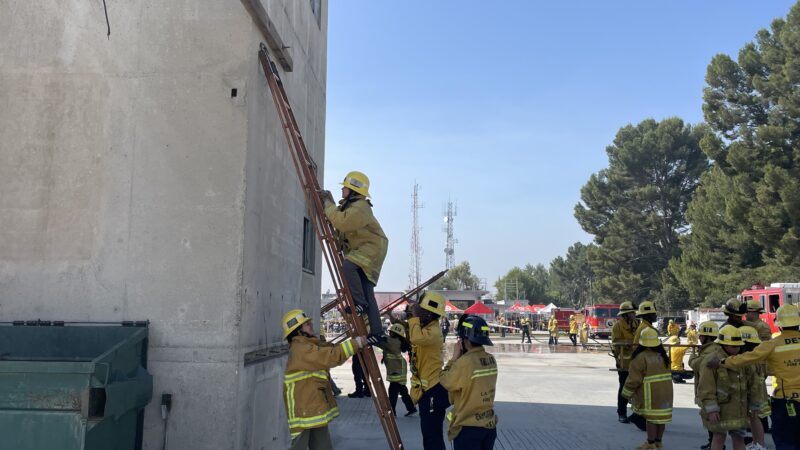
(134, 185)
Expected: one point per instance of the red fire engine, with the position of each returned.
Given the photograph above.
(601, 319)
(772, 298)
(562, 317)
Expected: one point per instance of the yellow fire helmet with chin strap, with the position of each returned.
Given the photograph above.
(749, 334)
(708, 328)
(787, 316)
(730, 335)
(433, 302)
(625, 308)
(649, 338)
(398, 329)
(357, 182)
(647, 307)
(292, 320)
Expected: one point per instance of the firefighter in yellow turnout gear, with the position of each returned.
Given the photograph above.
(782, 355)
(647, 315)
(676, 355)
(307, 392)
(649, 386)
(751, 341)
(425, 337)
(754, 310)
(707, 334)
(727, 395)
(673, 329)
(470, 378)
(584, 334)
(552, 327)
(691, 335)
(573, 330)
(622, 348)
(364, 245)
(396, 368)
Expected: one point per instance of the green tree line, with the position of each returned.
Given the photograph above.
(689, 214)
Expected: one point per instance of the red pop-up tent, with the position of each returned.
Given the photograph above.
(451, 308)
(480, 309)
(516, 308)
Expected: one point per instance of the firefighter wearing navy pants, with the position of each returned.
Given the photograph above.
(470, 379)
(425, 337)
(622, 348)
(525, 324)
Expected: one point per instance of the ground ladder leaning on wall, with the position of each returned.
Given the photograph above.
(333, 258)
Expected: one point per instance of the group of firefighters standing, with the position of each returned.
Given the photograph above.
(730, 369)
(466, 382)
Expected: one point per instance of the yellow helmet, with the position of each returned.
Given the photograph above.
(754, 306)
(292, 321)
(708, 328)
(749, 334)
(730, 335)
(649, 338)
(734, 307)
(647, 307)
(787, 316)
(625, 308)
(433, 302)
(357, 182)
(671, 321)
(398, 329)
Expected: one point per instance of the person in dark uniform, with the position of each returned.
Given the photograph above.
(445, 323)
(358, 378)
(525, 324)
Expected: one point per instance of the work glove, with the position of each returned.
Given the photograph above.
(361, 341)
(327, 197)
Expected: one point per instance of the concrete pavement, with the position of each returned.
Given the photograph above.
(544, 401)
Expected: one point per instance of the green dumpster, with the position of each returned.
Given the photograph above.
(73, 387)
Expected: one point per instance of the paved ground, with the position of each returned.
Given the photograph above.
(563, 400)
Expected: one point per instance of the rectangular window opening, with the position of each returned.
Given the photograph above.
(308, 246)
(774, 302)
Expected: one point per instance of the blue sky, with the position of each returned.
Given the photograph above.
(507, 110)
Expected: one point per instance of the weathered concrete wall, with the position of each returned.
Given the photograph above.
(134, 186)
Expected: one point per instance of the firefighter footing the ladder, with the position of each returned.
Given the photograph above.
(340, 249)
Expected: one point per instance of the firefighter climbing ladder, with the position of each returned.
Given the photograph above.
(391, 306)
(333, 259)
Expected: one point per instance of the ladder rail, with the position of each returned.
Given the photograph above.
(391, 305)
(394, 303)
(334, 259)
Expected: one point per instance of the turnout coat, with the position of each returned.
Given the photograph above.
(649, 387)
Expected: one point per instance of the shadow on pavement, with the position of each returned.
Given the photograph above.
(529, 426)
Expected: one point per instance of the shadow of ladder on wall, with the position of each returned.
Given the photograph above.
(333, 258)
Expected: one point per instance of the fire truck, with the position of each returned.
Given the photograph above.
(601, 319)
(562, 317)
(772, 298)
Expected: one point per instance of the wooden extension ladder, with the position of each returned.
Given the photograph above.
(407, 296)
(304, 166)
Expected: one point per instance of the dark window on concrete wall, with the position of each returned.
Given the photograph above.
(316, 9)
(308, 246)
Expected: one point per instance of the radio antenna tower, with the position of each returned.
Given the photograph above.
(414, 278)
(450, 212)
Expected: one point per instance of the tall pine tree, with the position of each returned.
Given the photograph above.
(745, 218)
(636, 207)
